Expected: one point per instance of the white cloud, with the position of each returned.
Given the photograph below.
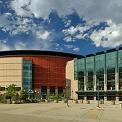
(91, 9)
(73, 33)
(20, 25)
(96, 10)
(110, 37)
(43, 35)
(21, 7)
(76, 49)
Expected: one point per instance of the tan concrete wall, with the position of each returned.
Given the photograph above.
(11, 71)
(10, 60)
(70, 76)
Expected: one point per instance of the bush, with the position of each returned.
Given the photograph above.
(10, 91)
(23, 95)
(2, 99)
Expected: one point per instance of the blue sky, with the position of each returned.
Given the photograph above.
(74, 26)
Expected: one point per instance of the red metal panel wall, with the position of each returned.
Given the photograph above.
(48, 70)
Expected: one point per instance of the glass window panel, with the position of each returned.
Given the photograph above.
(120, 68)
(111, 67)
(27, 75)
(100, 68)
(90, 72)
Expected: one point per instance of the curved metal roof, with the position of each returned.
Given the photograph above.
(36, 52)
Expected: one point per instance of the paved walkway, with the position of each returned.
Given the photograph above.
(59, 112)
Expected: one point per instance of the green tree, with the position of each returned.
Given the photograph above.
(11, 91)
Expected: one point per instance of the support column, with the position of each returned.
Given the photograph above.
(85, 86)
(105, 82)
(95, 79)
(117, 98)
(56, 92)
(95, 98)
(64, 92)
(85, 80)
(105, 86)
(85, 98)
(105, 98)
(117, 81)
(48, 92)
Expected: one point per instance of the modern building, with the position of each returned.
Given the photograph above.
(43, 72)
(97, 76)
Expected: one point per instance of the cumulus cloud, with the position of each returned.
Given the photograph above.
(22, 21)
(16, 25)
(20, 6)
(110, 37)
(96, 9)
(73, 33)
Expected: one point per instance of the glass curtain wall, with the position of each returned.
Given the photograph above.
(27, 75)
(120, 68)
(100, 67)
(80, 70)
(111, 67)
(89, 73)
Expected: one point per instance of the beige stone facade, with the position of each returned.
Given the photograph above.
(11, 71)
(70, 77)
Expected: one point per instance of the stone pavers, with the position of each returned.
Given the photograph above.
(59, 112)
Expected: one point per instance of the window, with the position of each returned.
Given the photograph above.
(111, 68)
(89, 72)
(100, 69)
(27, 75)
(80, 72)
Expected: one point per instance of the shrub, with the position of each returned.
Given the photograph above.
(2, 99)
(23, 95)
